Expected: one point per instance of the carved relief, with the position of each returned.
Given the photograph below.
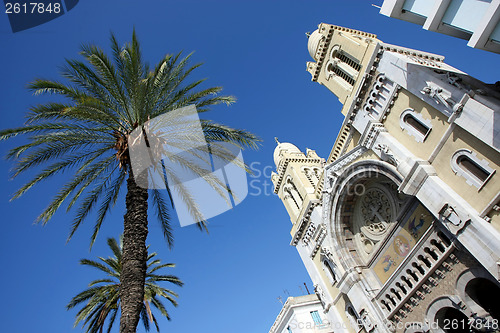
(376, 211)
(366, 320)
(439, 94)
(386, 155)
(374, 214)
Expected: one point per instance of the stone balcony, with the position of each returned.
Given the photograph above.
(415, 274)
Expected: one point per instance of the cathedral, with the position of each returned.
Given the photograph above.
(399, 227)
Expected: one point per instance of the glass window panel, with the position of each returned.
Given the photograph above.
(420, 7)
(317, 319)
(495, 35)
(465, 14)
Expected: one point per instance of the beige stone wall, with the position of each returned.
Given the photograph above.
(477, 198)
(341, 305)
(459, 139)
(334, 292)
(404, 101)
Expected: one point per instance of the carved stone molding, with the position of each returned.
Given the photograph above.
(309, 233)
(327, 252)
(371, 133)
(337, 166)
(319, 237)
(381, 97)
(283, 166)
(304, 222)
(386, 154)
(366, 320)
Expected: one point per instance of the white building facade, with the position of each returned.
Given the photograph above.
(399, 227)
(302, 314)
(477, 21)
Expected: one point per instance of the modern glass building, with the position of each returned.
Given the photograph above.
(474, 20)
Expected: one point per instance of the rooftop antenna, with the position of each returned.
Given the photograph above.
(308, 34)
(285, 291)
(305, 285)
(280, 299)
(376, 6)
(276, 139)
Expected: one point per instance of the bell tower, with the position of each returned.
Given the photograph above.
(298, 178)
(341, 55)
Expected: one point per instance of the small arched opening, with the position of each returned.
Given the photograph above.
(453, 320)
(486, 294)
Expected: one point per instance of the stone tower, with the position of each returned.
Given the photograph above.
(297, 181)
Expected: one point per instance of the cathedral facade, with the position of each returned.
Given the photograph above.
(399, 228)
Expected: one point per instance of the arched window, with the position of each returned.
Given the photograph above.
(317, 173)
(309, 175)
(344, 57)
(333, 69)
(329, 269)
(343, 66)
(353, 317)
(292, 196)
(415, 125)
(476, 171)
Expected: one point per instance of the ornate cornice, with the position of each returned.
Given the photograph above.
(304, 222)
(322, 48)
(284, 164)
(323, 45)
(371, 133)
(320, 237)
(424, 58)
(344, 160)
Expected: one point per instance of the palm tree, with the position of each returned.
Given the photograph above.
(106, 100)
(103, 295)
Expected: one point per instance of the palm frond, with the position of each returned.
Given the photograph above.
(99, 266)
(83, 179)
(113, 245)
(158, 266)
(163, 216)
(102, 299)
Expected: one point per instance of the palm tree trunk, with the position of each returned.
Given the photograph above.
(134, 260)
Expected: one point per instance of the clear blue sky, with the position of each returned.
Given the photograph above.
(257, 51)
